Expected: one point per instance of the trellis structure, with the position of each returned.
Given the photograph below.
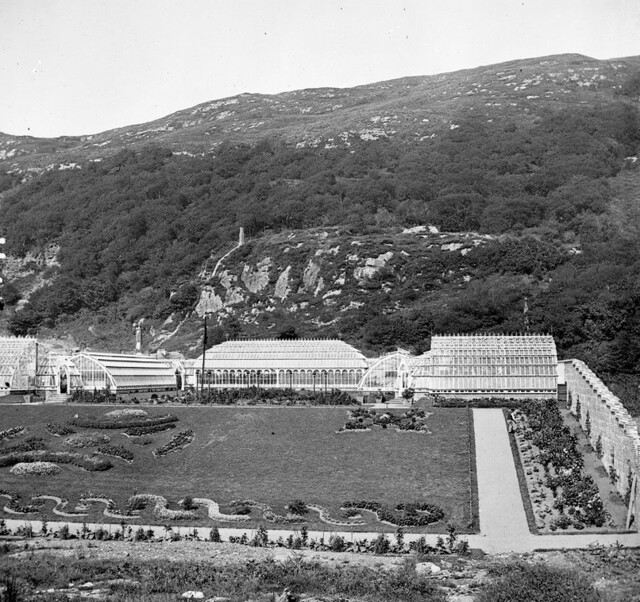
(297, 364)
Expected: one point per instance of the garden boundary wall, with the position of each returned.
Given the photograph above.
(612, 431)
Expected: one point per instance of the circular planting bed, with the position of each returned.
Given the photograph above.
(35, 469)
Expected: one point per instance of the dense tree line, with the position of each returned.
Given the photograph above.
(135, 227)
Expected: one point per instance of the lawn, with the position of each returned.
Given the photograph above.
(271, 455)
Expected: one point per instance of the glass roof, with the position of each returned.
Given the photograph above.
(283, 354)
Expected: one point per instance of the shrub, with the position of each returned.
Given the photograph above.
(337, 543)
(539, 583)
(381, 544)
(214, 535)
(298, 507)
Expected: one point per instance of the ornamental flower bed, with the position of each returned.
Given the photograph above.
(97, 423)
(35, 469)
(86, 440)
(117, 451)
(126, 414)
(178, 441)
(90, 463)
(160, 510)
(31, 444)
(362, 419)
(419, 514)
(141, 431)
(16, 431)
(58, 430)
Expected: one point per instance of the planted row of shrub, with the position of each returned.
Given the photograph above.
(479, 402)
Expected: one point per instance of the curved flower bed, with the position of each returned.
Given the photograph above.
(160, 510)
(213, 511)
(112, 423)
(12, 432)
(15, 507)
(86, 440)
(116, 451)
(89, 463)
(60, 505)
(418, 514)
(35, 469)
(178, 441)
(126, 414)
(58, 430)
(141, 431)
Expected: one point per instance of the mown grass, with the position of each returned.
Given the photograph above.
(271, 455)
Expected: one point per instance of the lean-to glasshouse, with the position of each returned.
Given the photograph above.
(298, 364)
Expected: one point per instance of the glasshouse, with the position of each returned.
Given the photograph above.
(488, 365)
(298, 364)
(120, 373)
(18, 359)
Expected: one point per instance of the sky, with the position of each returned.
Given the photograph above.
(74, 67)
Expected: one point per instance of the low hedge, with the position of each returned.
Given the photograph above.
(479, 402)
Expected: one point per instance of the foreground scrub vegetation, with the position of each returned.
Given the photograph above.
(166, 571)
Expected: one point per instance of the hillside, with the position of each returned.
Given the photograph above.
(501, 198)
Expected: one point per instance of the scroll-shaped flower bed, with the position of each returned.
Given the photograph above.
(160, 510)
(418, 514)
(35, 469)
(86, 440)
(178, 441)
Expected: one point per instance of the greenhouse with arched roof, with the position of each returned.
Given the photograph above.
(297, 364)
(122, 373)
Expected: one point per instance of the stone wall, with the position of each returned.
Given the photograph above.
(608, 420)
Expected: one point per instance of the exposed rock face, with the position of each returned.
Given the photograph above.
(258, 279)
(371, 266)
(282, 285)
(310, 275)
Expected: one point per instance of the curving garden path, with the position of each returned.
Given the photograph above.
(503, 523)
